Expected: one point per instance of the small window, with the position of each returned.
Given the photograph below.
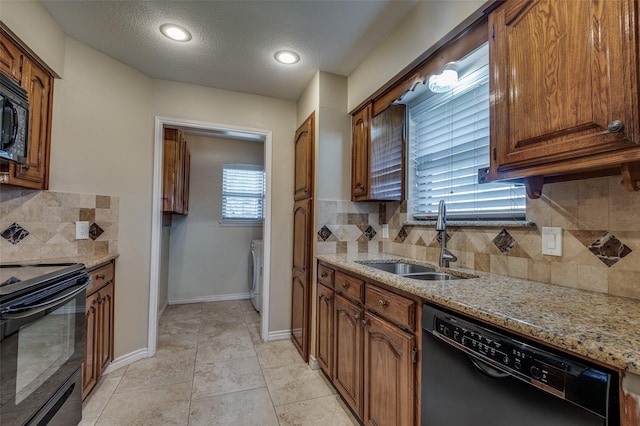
(243, 188)
(449, 142)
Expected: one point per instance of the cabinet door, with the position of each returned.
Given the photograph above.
(303, 182)
(388, 374)
(564, 75)
(39, 85)
(302, 234)
(105, 328)
(324, 347)
(387, 154)
(300, 293)
(360, 138)
(186, 180)
(175, 180)
(91, 344)
(10, 57)
(299, 311)
(347, 371)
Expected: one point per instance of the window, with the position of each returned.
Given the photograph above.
(449, 142)
(242, 193)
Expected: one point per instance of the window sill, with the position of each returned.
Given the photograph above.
(475, 223)
(244, 223)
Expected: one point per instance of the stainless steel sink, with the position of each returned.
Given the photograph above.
(434, 276)
(400, 268)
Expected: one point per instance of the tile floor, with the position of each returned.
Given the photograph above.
(212, 368)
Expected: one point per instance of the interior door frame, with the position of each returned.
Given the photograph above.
(156, 218)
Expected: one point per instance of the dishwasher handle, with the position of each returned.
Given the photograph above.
(487, 369)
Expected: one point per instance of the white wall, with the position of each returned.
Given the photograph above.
(191, 102)
(33, 25)
(208, 259)
(429, 21)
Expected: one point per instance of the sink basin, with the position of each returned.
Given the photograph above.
(400, 268)
(433, 276)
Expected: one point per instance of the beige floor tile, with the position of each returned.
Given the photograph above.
(252, 317)
(223, 333)
(219, 317)
(87, 422)
(190, 310)
(165, 368)
(99, 397)
(226, 377)
(178, 341)
(238, 347)
(293, 383)
(327, 410)
(246, 305)
(255, 330)
(277, 353)
(247, 408)
(167, 405)
(179, 325)
(118, 373)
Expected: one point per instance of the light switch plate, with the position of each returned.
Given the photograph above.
(385, 230)
(552, 241)
(82, 230)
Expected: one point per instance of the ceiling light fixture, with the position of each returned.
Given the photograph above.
(175, 32)
(446, 80)
(287, 57)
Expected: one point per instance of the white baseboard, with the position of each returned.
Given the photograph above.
(279, 335)
(204, 299)
(313, 363)
(125, 360)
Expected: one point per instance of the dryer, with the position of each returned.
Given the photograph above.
(255, 285)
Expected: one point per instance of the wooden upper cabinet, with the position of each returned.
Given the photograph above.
(564, 81)
(39, 85)
(303, 184)
(378, 151)
(176, 165)
(10, 58)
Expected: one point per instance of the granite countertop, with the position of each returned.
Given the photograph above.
(89, 261)
(601, 327)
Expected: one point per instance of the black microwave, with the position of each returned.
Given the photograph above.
(14, 121)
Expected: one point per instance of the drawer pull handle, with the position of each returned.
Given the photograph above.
(356, 317)
(101, 276)
(365, 323)
(615, 126)
(326, 299)
(382, 303)
(345, 284)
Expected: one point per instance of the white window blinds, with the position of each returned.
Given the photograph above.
(242, 192)
(448, 143)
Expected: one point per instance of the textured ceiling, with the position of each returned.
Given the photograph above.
(234, 41)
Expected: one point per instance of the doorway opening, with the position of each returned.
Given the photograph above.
(214, 130)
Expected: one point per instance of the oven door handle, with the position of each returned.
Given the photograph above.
(27, 311)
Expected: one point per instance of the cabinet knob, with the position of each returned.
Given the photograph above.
(323, 274)
(365, 323)
(100, 277)
(326, 299)
(26, 167)
(356, 317)
(359, 186)
(345, 284)
(382, 303)
(615, 126)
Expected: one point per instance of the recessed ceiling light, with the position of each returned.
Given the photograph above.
(287, 57)
(175, 32)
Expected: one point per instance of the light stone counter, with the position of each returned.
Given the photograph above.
(601, 327)
(89, 261)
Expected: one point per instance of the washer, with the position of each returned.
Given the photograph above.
(255, 285)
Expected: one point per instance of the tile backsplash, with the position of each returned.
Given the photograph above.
(599, 218)
(40, 225)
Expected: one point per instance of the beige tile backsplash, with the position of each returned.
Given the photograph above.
(585, 209)
(50, 218)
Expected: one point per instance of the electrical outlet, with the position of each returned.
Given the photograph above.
(82, 230)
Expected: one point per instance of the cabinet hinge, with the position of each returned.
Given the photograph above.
(415, 355)
(493, 32)
(495, 156)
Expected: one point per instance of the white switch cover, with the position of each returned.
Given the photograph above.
(82, 230)
(552, 241)
(385, 230)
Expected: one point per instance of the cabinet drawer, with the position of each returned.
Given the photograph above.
(349, 286)
(100, 277)
(394, 307)
(326, 275)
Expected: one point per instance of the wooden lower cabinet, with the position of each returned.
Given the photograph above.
(99, 322)
(388, 373)
(373, 357)
(347, 371)
(324, 344)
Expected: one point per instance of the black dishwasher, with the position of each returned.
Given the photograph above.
(473, 374)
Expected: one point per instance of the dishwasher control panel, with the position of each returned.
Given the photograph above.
(541, 368)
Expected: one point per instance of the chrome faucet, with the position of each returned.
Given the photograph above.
(441, 226)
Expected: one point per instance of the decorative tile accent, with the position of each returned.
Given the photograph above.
(324, 233)
(14, 233)
(402, 234)
(370, 232)
(95, 231)
(609, 249)
(504, 241)
(438, 238)
(87, 214)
